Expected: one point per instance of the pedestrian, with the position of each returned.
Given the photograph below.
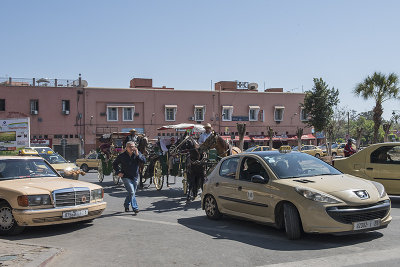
(126, 166)
(203, 137)
(131, 137)
(348, 148)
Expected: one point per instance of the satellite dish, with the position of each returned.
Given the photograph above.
(253, 86)
(84, 83)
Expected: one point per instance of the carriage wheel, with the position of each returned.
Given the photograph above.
(100, 173)
(143, 175)
(116, 178)
(157, 175)
(184, 183)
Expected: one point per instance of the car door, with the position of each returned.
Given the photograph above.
(383, 166)
(253, 198)
(225, 184)
(92, 160)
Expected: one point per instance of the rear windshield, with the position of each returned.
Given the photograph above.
(11, 169)
(53, 158)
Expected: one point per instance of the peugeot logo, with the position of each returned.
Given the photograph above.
(362, 194)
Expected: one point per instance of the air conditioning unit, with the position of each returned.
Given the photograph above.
(34, 112)
(66, 112)
(191, 118)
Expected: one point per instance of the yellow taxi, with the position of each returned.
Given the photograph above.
(377, 162)
(312, 150)
(258, 148)
(296, 192)
(32, 193)
(90, 162)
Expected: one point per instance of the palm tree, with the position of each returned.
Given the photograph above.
(381, 88)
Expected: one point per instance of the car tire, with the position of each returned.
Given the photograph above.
(8, 225)
(85, 168)
(317, 156)
(211, 208)
(292, 221)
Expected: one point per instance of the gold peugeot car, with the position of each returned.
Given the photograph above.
(296, 192)
(377, 162)
(32, 193)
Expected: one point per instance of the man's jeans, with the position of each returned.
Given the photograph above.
(130, 186)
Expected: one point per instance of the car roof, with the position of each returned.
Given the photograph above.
(19, 157)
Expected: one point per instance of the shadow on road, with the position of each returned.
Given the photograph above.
(268, 237)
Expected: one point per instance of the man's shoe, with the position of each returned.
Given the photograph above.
(126, 209)
(136, 211)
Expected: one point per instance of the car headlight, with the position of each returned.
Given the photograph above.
(380, 188)
(317, 196)
(34, 200)
(97, 194)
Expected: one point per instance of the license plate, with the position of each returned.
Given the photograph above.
(74, 213)
(366, 224)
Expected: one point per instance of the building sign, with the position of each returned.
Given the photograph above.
(240, 118)
(242, 85)
(41, 142)
(14, 135)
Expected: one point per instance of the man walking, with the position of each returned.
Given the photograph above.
(126, 166)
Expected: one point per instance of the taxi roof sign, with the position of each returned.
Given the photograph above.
(28, 152)
(285, 149)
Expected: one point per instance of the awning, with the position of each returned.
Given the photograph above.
(183, 126)
(279, 107)
(171, 106)
(307, 137)
(227, 107)
(254, 107)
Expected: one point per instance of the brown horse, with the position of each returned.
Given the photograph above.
(221, 145)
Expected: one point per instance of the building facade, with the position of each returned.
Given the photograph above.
(80, 114)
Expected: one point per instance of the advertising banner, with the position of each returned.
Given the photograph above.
(14, 135)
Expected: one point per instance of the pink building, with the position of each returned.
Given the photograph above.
(81, 114)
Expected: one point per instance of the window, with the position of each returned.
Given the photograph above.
(2, 104)
(303, 115)
(170, 112)
(92, 156)
(278, 114)
(250, 167)
(227, 112)
(112, 114)
(128, 113)
(65, 106)
(229, 167)
(253, 113)
(386, 155)
(34, 106)
(199, 112)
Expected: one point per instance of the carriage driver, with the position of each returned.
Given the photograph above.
(203, 137)
(131, 137)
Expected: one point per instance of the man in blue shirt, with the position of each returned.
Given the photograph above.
(203, 137)
(126, 166)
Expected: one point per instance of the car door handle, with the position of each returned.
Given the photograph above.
(240, 188)
(216, 184)
(370, 169)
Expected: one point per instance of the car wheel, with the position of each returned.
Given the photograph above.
(317, 156)
(85, 168)
(292, 221)
(211, 208)
(8, 225)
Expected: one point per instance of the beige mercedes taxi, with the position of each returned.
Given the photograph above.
(296, 192)
(32, 193)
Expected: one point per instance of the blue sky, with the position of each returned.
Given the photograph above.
(188, 44)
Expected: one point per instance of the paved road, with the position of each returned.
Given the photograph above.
(169, 232)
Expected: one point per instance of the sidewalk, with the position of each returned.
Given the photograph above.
(18, 254)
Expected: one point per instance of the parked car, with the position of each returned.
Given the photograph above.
(32, 193)
(66, 169)
(296, 192)
(258, 148)
(377, 162)
(90, 162)
(311, 150)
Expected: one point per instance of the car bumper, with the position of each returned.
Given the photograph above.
(321, 220)
(50, 216)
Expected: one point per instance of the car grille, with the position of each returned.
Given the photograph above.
(348, 214)
(73, 196)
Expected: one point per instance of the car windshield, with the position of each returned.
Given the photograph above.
(295, 165)
(53, 158)
(11, 169)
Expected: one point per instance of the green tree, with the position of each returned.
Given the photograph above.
(381, 88)
(319, 104)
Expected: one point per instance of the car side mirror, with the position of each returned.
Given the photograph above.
(259, 179)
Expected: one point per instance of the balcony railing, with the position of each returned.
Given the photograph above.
(41, 82)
